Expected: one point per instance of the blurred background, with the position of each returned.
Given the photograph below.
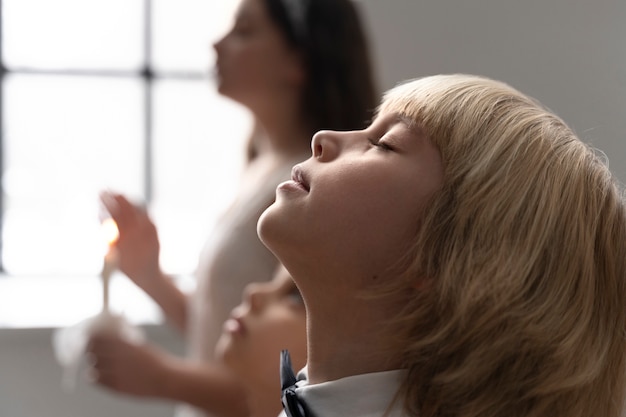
(118, 95)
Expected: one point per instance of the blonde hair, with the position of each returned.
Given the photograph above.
(524, 254)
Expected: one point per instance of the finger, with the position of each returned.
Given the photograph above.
(99, 363)
(127, 213)
(101, 378)
(118, 206)
(91, 359)
(109, 202)
(92, 375)
(102, 349)
(100, 340)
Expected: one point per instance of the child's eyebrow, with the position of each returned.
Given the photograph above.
(395, 118)
(405, 120)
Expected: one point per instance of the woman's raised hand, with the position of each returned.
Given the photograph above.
(138, 243)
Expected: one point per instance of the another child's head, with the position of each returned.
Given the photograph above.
(270, 318)
(512, 265)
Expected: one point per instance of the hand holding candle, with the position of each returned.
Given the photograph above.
(70, 343)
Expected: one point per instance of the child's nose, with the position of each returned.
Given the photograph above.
(324, 145)
(254, 295)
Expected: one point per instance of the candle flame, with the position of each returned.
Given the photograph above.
(110, 231)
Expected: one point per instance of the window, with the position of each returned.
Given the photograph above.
(111, 94)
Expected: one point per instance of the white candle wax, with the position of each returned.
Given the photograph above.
(110, 265)
(111, 234)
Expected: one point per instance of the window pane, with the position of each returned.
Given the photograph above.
(66, 138)
(105, 34)
(185, 30)
(198, 152)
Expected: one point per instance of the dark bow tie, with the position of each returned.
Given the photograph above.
(292, 405)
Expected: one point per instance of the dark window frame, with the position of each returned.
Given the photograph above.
(147, 74)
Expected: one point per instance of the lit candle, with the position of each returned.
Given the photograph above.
(111, 234)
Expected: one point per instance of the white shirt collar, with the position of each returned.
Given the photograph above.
(366, 395)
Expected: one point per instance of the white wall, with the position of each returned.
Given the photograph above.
(570, 54)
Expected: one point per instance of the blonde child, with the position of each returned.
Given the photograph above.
(461, 257)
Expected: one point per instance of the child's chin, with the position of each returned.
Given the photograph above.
(267, 226)
(223, 348)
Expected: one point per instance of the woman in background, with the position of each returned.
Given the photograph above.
(299, 66)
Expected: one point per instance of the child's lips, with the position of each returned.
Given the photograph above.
(234, 325)
(297, 176)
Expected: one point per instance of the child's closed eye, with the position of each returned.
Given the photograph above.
(380, 144)
(295, 297)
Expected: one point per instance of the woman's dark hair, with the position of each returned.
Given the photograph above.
(340, 93)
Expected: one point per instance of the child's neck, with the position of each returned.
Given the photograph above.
(356, 343)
